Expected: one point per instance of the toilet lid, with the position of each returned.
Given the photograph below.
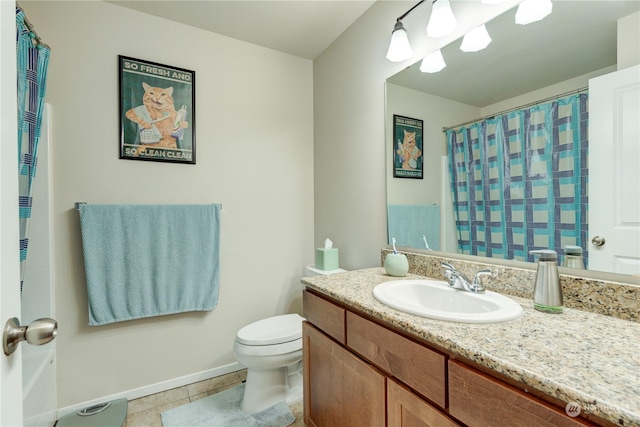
(272, 330)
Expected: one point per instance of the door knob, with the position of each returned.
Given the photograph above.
(598, 241)
(39, 332)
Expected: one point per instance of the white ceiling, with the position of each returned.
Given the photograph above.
(303, 28)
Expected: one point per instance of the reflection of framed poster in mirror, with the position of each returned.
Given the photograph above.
(407, 147)
(157, 112)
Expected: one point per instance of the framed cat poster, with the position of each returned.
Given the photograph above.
(157, 112)
(407, 147)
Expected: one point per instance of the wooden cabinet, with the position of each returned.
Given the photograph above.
(360, 373)
(405, 409)
(477, 399)
(339, 388)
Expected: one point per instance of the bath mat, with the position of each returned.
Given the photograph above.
(224, 409)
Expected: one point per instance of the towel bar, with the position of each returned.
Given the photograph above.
(77, 205)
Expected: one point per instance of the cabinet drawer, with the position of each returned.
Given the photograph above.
(325, 315)
(405, 409)
(479, 400)
(415, 365)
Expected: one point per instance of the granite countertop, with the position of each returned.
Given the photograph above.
(576, 356)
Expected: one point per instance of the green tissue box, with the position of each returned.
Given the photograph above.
(327, 259)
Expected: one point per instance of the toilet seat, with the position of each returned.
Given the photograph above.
(267, 350)
(271, 331)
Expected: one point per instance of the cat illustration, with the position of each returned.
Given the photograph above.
(156, 118)
(408, 151)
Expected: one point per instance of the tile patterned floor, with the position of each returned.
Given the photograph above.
(145, 411)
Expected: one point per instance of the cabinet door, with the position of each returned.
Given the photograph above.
(339, 389)
(405, 409)
(479, 400)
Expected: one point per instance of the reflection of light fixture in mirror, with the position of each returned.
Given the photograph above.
(532, 10)
(441, 22)
(475, 40)
(433, 62)
(399, 48)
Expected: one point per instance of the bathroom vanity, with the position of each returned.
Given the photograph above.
(366, 364)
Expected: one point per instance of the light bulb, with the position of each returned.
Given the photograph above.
(442, 22)
(433, 62)
(399, 48)
(533, 10)
(475, 40)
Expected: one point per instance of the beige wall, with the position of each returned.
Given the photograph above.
(254, 155)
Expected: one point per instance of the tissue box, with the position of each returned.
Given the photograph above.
(327, 259)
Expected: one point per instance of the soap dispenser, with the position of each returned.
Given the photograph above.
(547, 294)
(573, 257)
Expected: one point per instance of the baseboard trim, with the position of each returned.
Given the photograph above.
(155, 388)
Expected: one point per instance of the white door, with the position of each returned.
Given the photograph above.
(614, 172)
(10, 367)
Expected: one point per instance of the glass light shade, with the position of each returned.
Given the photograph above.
(433, 62)
(475, 40)
(533, 10)
(442, 22)
(492, 1)
(399, 48)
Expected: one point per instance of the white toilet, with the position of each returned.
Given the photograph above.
(271, 350)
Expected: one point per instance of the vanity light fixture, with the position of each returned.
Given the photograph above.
(399, 48)
(433, 62)
(442, 22)
(533, 10)
(476, 39)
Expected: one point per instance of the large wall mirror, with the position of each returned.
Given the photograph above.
(523, 66)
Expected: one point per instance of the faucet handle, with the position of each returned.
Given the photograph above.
(449, 272)
(477, 280)
(448, 266)
(485, 272)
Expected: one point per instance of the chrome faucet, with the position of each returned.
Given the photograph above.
(457, 280)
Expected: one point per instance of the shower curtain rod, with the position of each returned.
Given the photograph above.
(531, 104)
(32, 29)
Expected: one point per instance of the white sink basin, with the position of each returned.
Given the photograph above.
(436, 300)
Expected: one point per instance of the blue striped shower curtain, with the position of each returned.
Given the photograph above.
(519, 180)
(32, 62)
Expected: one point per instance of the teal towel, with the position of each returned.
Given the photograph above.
(408, 223)
(150, 260)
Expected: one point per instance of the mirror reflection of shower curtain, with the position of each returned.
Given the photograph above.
(519, 180)
(33, 60)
